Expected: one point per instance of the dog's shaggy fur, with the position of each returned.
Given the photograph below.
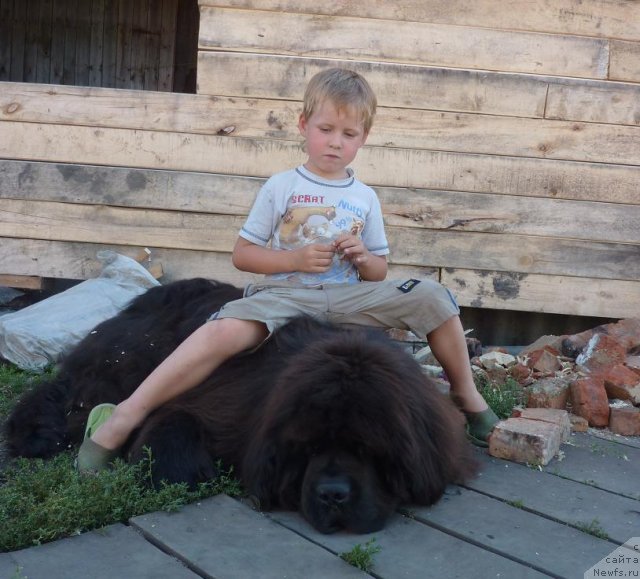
(338, 423)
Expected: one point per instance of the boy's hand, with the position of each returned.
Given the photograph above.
(314, 258)
(352, 249)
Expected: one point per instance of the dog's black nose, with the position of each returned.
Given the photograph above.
(334, 490)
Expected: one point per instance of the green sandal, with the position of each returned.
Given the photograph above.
(91, 456)
(480, 425)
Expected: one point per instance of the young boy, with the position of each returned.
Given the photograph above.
(317, 234)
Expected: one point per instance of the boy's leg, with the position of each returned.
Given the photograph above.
(449, 346)
(190, 363)
(428, 309)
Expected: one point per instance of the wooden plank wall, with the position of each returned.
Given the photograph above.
(506, 151)
(118, 44)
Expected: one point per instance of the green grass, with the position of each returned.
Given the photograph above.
(501, 398)
(593, 528)
(42, 501)
(517, 503)
(361, 556)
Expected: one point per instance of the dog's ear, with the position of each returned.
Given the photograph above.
(272, 472)
(261, 470)
(434, 452)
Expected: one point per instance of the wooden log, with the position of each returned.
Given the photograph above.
(543, 293)
(411, 42)
(580, 17)
(277, 119)
(377, 166)
(396, 85)
(234, 195)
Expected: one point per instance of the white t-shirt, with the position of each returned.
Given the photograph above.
(296, 207)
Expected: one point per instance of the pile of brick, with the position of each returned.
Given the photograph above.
(590, 379)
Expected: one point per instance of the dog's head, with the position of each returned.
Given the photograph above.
(351, 429)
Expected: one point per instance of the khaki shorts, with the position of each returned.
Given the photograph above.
(416, 305)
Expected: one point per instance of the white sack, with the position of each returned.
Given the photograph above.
(37, 336)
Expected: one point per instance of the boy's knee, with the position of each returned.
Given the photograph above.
(235, 334)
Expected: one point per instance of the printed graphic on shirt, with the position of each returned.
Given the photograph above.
(302, 225)
(305, 224)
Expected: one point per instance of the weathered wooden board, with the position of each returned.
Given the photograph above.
(493, 134)
(558, 498)
(128, 187)
(616, 468)
(511, 531)
(514, 253)
(411, 42)
(497, 290)
(77, 260)
(277, 119)
(375, 165)
(410, 86)
(625, 61)
(553, 218)
(410, 246)
(21, 281)
(396, 85)
(113, 551)
(234, 195)
(227, 524)
(104, 224)
(558, 294)
(620, 19)
(594, 101)
(411, 549)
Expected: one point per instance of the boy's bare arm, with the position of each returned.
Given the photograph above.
(314, 258)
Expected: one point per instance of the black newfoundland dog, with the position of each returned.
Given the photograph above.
(338, 423)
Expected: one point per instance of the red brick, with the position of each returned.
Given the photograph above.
(544, 361)
(525, 441)
(552, 415)
(520, 373)
(602, 352)
(625, 420)
(578, 424)
(589, 399)
(626, 331)
(548, 393)
(552, 342)
(497, 375)
(622, 382)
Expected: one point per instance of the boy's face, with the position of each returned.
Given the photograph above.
(333, 137)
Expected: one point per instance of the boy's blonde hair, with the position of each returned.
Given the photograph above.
(344, 88)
